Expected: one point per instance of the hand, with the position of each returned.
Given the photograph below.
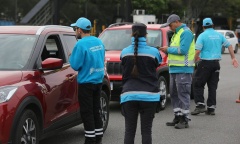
(164, 49)
(235, 62)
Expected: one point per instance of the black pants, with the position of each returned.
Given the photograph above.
(89, 101)
(130, 111)
(207, 72)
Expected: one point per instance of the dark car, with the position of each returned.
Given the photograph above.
(38, 88)
(118, 36)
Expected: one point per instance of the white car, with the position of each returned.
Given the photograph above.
(231, 37)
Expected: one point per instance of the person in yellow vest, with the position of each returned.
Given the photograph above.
(181, 63)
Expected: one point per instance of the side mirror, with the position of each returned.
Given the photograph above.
(52, 64)
(227, 37)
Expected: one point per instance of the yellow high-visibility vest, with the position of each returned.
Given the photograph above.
(181, 60)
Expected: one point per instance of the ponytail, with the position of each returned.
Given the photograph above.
(135, 69)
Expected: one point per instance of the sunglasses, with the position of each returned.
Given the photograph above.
(75, 28)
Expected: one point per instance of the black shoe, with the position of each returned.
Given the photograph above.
(198, 110)
(99, 141)
(183, 123)
(210, 112)
(174, 122)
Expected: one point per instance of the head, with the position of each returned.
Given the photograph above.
(82, 27)
(207, 23)
(138, 30)
(173, 22)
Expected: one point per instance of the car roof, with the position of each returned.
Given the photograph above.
(224, 30)
(34, 30)
(129, 26)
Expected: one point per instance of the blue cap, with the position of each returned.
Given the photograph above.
(207, 22)
(82, 23)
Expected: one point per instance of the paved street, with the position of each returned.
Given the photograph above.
(223, 128)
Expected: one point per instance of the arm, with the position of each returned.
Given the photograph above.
(77, 58)
(185, 42)
(196, 58)
(234, 60)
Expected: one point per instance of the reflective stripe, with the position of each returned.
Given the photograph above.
(199, 103)
(86, 135)
(90, 132)
(101, 129)
(176, 110)
(185, 111)
(99, 133)
(179, 114)
(181, 62)
(212, 107)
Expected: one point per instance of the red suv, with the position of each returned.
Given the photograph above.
(38, 88)
(118, 36)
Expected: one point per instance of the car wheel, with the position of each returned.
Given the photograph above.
(236, 49)
(104, 103)
(163, 92)
(223, 49)
(27, 129)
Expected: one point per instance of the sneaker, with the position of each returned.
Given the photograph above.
(210, 112)
(182, 124)
(198, 110)
(174, 122)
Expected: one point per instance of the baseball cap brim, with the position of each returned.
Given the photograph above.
(164, 25)
(73, 25)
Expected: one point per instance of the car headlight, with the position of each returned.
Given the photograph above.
(6, 93)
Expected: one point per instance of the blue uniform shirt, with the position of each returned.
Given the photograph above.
(88, 59)
(210, 44)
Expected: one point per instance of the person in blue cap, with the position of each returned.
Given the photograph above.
(140, 92)
(208, 50)
(88, 59)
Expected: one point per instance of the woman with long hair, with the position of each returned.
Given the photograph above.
(140, 93)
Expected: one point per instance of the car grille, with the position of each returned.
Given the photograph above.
(114, 68)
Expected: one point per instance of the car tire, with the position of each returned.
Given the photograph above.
(236, 49)
(223, 49)
(104, 104)
(27, 129)
(163, 87)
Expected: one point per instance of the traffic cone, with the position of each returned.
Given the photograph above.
(238, 100)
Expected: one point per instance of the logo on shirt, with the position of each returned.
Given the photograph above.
(92, 70)
(96, 48)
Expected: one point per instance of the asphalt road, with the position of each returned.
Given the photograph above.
(223, 128)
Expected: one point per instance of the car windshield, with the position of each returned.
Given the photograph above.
(15, 51)
(119, 39)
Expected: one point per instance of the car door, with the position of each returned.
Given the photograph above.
(61, 85)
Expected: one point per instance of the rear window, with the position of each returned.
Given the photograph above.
(119, 39)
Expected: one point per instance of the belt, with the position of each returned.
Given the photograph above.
(210, 60)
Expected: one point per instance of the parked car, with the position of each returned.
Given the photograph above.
(118, 36)
(38, 88)
(231, 37)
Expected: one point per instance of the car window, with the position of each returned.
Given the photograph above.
(15, 51)
(53, 49)
(116, 39)
(119, 39)
(154, 38)
(70, 41)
